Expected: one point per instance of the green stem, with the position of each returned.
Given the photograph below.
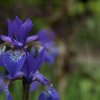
(25, 95)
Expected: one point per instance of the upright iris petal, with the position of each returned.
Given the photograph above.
(24, 29)
(30, 68)
(20, 30)
(13, 28)
(38, 60)
(49, 94)
(13, 61)
(32, 64)
(28, 65)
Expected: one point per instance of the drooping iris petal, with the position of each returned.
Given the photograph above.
(9, 97)
(5, 38)
(40, 78)
(19, 74)
(34, 85)
(31, 38)
(10, 40)
(2, 50)
(49, 94)
(13, 61)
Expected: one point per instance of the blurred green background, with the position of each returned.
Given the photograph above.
(76, 71)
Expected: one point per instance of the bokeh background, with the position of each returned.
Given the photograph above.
(76, 23)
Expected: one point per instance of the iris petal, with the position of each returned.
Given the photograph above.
(8, 97)
(46, 35)
(10, 28)
(32, 64)
(40, 78)
(16, 25)
(38, 60)
(5, 38)
(34, 85)
(13, 61)
(46, 39)
(24, 29)
(31, 38)
(18, 21)
(13, 28)
(49, 94)
(28, 65)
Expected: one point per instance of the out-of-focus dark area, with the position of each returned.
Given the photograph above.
(76, 72)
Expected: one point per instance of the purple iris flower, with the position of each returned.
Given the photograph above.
(19, 62)
(18, 37)
(18, 32)
(49, 94)
(30, 69)
(46, 39)
(13, 59)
